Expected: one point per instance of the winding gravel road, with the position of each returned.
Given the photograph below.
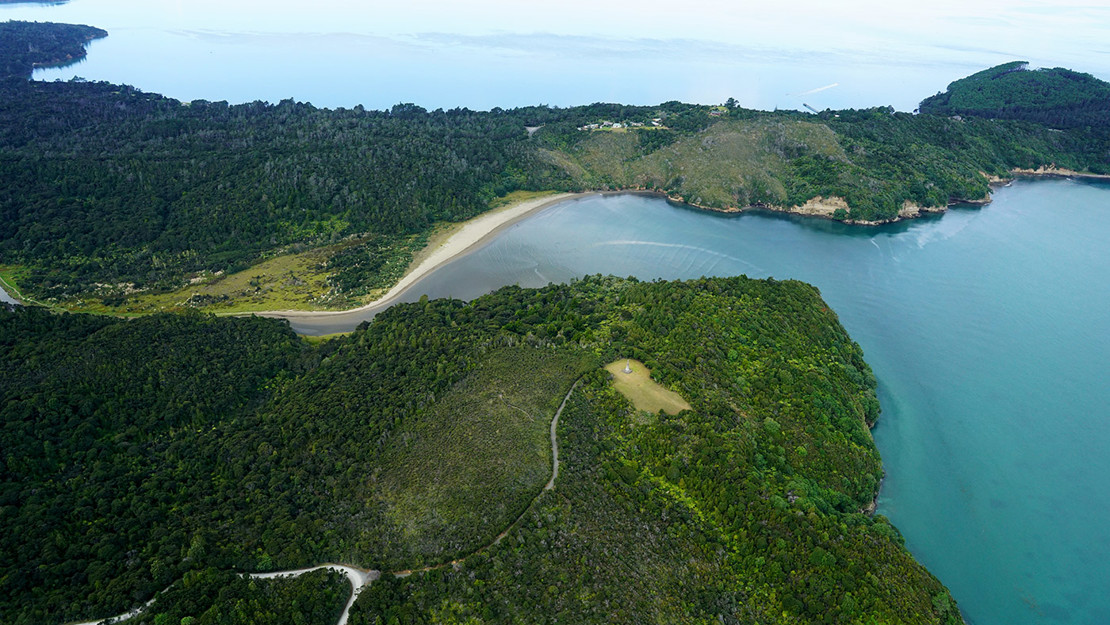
(362, 578)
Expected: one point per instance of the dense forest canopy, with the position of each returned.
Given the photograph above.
(1057, 97)
(171, 450)
(112, 194)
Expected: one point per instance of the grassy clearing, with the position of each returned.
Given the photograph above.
(518, 196)
(290, 281)
(287, 282)
(297, 281)
(323, 338)
(9, 279)
(463, 472)
(642, 391)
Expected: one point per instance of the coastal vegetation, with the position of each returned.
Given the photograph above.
(119, 200)
(27, 45)
(112, 192)
(174, 450)
(878, 161)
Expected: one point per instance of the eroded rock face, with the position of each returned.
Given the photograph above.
(820, 206)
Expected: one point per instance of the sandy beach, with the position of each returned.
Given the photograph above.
(440, 251)
(5, 296)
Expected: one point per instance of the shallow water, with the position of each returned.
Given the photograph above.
(987, 329)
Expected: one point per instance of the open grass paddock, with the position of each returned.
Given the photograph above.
(642, 391)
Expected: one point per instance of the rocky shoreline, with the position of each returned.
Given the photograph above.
(826, 207)
(820, 206)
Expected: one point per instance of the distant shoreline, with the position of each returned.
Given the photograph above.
(468, 236)
(463, 238)
(824, 207)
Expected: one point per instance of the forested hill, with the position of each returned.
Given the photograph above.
(25, 45)
(1057, 97)
(173, 450)
(119, 200)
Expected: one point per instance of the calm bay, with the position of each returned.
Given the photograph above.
(986, 328)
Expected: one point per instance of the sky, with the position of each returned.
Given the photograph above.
(1016, 27)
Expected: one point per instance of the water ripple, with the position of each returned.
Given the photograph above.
(682, 246)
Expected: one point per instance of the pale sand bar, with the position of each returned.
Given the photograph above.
(466, 237)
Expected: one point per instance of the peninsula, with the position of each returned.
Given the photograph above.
(473, 455)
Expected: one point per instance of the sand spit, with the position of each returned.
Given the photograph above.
(463, 239)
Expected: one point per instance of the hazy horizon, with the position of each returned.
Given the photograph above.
(495, 53)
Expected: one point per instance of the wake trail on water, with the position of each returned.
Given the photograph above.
(689, 248)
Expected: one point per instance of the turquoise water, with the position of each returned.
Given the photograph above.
(988, 330)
